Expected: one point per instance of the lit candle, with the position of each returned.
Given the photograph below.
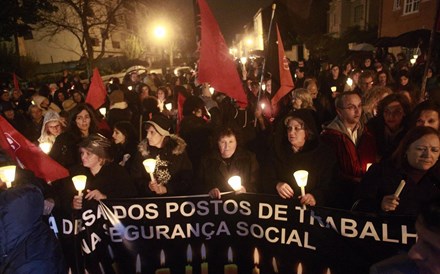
(299, 269)
(7, 175)
(230, 268)
(368, 166)
(130, 87)
(162, 263)
(301, 177)
(169, 106)
(45, 147)
(211, 90)
(333, 89)
(79, 181)
(263, 105)
(235, 182)
(400, 188)
(328, 271)
(256, 270)
(150, 166)
(103, 111)
(204, 266)
(188, 268)
(274, 265)
(349, 82)
(263, 87)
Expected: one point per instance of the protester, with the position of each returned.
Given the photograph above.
(28, 244)
(414, 161)
(173, 173)
(125, 140)
(352, 144)
(426, 114)
(119, 110)
(33, 127)
(52, 127)
(390, 124)
(82, 123)
(297, 147)
(226, 160)
(105, 179)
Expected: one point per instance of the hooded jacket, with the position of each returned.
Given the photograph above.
(173, 167)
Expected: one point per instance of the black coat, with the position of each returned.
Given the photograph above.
(383, 179)
(27, 244)
(173, 168)
(65, 150)
(215, 171)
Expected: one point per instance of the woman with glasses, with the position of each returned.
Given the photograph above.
(52, 127)
(390, 124)
(297, 147)
(416, 162)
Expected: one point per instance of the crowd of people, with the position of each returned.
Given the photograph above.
(359, 129)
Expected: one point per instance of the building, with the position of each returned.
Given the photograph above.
(344, 14)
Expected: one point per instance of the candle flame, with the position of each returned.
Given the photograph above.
(162, 257)
(301, 177)
(328, 271)
(299, 269)
(138, 264)
(203, 251)
(274, 265)
(230, 257)
(189, 254)
(256, 257)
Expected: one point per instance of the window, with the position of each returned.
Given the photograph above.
(358, 13)
(95, 42)
(397, 5)
(116, 44)
(411, 6)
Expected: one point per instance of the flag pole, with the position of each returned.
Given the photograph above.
(423, 94)
(274, 6)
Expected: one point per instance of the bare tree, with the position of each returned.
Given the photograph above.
(90, 21)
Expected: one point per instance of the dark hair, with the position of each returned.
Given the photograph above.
(423, 106)
(339, 101)
(226, 130)
(394, 97)
(72, 121)
(164, 89)
(80, 93)
(127, 129)
(399, 155)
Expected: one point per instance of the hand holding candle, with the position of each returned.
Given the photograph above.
(150, 166)
(79, 181)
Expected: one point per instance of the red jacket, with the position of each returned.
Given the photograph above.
(352, 159)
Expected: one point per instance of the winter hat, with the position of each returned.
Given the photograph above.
(161, 123)
(97, 144)
(69, 104)
(116, 96)
(38, 99)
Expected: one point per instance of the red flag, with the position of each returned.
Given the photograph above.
(28, 155)
(180, 101)
(97, 93)
(286, 81)
(216, 65)
(16, 85)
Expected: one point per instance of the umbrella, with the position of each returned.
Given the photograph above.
(362, 47)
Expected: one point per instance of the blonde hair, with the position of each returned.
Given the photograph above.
(305, 97)
(373, 97)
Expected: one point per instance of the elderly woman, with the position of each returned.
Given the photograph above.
(82, 123)
(390, 124)
(297, 147)
(52, 127)
(414, 161)
(105, 179)
(173, 172)
(227, 160)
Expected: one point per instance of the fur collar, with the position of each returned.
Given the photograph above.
(174, 143)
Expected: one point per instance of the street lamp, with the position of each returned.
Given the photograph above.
(160, 32)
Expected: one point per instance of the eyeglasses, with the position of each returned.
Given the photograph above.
(295, 128)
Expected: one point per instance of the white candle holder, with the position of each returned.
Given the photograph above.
(235, 182)
(45, 147)
(7, 174)
(79, 181)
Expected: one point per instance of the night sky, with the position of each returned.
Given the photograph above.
(232, 15)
